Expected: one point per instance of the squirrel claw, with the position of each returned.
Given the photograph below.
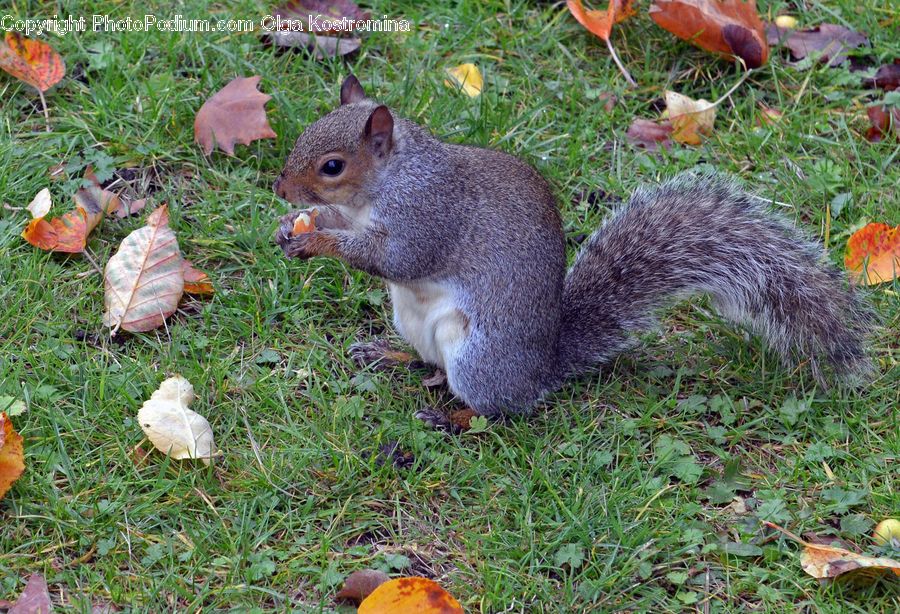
(377, 355)
(435, 419)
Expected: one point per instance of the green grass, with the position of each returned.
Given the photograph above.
(611, 497)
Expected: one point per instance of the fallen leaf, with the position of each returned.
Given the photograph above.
(830, 40)
(35, 599)
(12, 454)
(887, 77)
(234, 114)
(886, 531)
(318, 15)
(320, 45)
(728, 27)
(131, 208)
(768, 115)
(40, 205)
(32, 61)
(786, 21)
(883, 122)
(466, 77)
(873, 254)
(820, 561)
(172, 427)
(144, 278)
(412, 595)
(304, 222)
(69, 233)
(360, 585)
(391, 452)
(649, 134)
(438, 378)
(195, 280)
(690, 118)
(600, 24)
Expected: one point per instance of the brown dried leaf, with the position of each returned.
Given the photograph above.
(320, 45)
(360, 585)
(831, 40)
(316, 15)
(131, 208)
(35, 599)
(691, 119)
(649, 134)
(883, 123)
(234, 114)
(728, 27)
(887, 77)
(195, 280)
(12, 455)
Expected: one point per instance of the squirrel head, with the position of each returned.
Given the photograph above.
(336, 160)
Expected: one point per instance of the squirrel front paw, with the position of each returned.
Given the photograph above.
(308, 244)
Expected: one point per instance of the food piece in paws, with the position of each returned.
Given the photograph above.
(304, 222)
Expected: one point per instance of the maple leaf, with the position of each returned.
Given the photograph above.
(144, 279)
(830, 40)
(873, 254)
(728, 27)
(412, 594)
(600, 24)
(234, 114)
(12, 454)
(35, 598)
(32, 61)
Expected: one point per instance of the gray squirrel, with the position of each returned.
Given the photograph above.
(470, 243)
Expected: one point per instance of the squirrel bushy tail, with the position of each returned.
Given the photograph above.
(694, 235)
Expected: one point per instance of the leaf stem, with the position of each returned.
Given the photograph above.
(733, 87)
(622, 69)
(44, 105)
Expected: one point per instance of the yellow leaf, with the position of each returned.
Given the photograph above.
(171, 427)
(886, 530)
(466, 77)
(410, 596)
(12, 454)
(786, 21)
(873, 254)
(690, 118)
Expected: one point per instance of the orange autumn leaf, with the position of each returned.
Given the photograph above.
(234, 114)
(873, 254)
(728, 27)
(691, 119)
(410, 596)
(12, 454)
(69, 233)
(195, 280)
(32, 61)
(600, 22)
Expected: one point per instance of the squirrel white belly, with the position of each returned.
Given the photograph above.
(507, 320)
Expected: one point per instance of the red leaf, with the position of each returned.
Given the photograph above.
(600, 22)
(831, 40)
(32, 61)
(728, 27)
(649, 134)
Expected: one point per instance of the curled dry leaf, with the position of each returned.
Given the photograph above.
(690, 118)
(884, 123)
(35, 598)
(827, 562)
(873, 254)
(830, 40)
(144, 279)
(195, 280)
(360, 585)
(466, 77)
(728, 27)
(32, 61)
(69, 233)
(40, 206)
(887, 77)
(234, 114)
(649, 134)
(315, 17)
(410, 596)
(172, 427)
(12, 454)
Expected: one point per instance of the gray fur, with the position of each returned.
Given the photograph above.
(485, 226)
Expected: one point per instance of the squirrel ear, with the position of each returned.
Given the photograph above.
(352, 90)
(380, 130)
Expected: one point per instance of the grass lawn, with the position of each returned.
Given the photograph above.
(617, 494)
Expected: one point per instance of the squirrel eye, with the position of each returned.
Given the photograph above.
(332, 167)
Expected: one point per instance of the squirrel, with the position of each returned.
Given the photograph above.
(470, 243)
